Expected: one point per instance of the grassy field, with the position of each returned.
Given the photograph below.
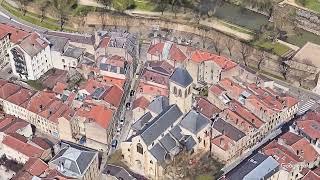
(310, 4)
(276, 48)
(144, 5)
(48, 23)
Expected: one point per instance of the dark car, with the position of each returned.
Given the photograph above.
(128, 105)
(131, 92)
(10, 71)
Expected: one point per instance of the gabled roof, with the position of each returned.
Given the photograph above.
(227, 129)
(159, 153)
(16, 34)
(159, 104)
(141, 102)
(96, 113)
(181, 77)
(74, 161)
(206, 108)
(114, 96)
(194, 122)
(35, 166)
(140, 123)
(160, 124)
(20, 145)
(33, 44)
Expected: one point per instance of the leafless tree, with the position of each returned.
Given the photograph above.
(23, 5)
(43, 5)
(245, 51)
(217, 44)
(229, 45)
(261, 59)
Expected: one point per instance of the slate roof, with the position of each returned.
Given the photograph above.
(74, 52)
(158, 104)
(190, 143)
(247, 166)
(138, 125)
(75, 161)
(160, 124)
(118, 172)
(57, 43)
(181, 77)
(227, 129)
(159, 153)
(176, 133)
(194, 122)
(168, 142)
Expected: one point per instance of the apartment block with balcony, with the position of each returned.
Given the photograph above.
(31, 57)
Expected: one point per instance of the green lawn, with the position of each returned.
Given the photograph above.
(37, 85)
(276, 48)
(310, 4)
(48, 23)
(144, 5)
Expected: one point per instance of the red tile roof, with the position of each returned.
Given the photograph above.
(217, 90)
(310, 127)
(99, 114)
(156, 49)
(245, 114)
(311, 176)
(22, 147)
(42, 143)
(17, 125)
(59, 87)
(306, 151)
(290, 138)
(176, 54)
(6, 121)
(141, 102)
(223, 141)
(39, 101)
(281, 154)
(113, 80)
(114, 96)
(234, 89)
(35, 166)
(16, 34)
(91, 85)
(206, 108)
(8, 89)
(161, 66)
(223, 62)
(104, 43)
(155, 77)
(200, 56)
(20, 97)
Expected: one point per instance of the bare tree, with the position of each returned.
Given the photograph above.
(23, 5)
(63, 8)
(217, 44)
(245, 51)
(204, 32)
(43, 5)
(229, 45)
(261, 59)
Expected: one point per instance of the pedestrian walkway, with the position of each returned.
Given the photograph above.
(304, 107)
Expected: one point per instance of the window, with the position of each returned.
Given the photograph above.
(139, 148)
(180, 93)
(185, 93)
(63, 60)
(174, 90)
(151, 162)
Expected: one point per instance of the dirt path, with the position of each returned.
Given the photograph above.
(90, 3)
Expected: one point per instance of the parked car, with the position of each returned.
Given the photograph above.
(128, 106)
(131, 92)
(114, 143)
(121, 121)
(10, 71)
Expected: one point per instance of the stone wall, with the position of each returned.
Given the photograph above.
(308, 21)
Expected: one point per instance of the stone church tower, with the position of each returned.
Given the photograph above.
(180, 84)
